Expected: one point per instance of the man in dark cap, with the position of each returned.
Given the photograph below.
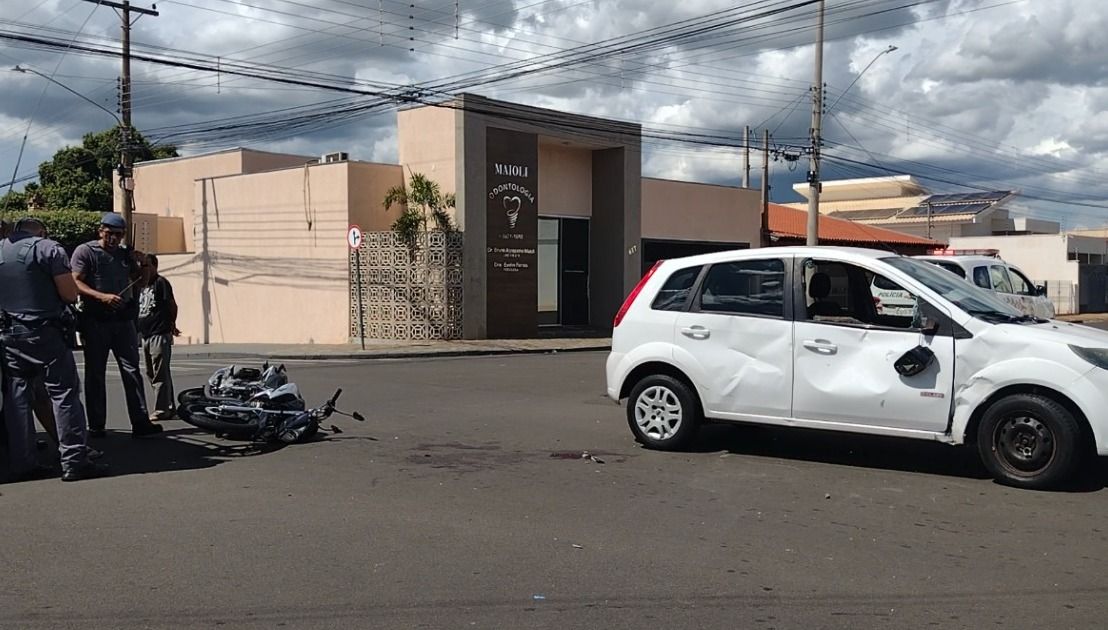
(105, 273)
(34, 272)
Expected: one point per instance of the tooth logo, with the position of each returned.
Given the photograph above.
(511, 208)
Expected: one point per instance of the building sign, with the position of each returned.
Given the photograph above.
(511, 239)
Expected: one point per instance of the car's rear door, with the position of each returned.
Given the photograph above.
(735, 340)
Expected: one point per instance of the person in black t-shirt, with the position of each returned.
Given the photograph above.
(157, 324)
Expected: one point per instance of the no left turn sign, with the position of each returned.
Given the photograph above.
(354, 237)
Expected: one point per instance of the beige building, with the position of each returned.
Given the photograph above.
(901, 203)
(556, 224)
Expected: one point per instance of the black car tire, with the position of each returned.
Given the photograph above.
(1030, 441)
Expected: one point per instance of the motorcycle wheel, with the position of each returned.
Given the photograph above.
(233, 424)
(192, 394)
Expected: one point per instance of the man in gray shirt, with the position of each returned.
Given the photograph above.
(35, 275)
(106, 274)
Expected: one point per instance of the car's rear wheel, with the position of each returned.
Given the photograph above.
(1030, 441)
(663, 412)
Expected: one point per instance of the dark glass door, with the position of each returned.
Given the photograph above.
(575, 272)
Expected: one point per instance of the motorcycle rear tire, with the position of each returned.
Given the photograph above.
(238, 425)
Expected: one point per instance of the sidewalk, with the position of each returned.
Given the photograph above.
(389, 349)
(1084, 318)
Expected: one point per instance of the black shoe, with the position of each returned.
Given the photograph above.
(87, 471)
(97, 433)
(144, 430)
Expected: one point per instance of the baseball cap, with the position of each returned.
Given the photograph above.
(113, 220)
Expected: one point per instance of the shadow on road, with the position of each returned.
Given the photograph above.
(865, 451)
(173, 450)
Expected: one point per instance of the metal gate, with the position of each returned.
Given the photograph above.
(1093, 288)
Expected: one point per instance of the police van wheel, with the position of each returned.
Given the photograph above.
(1030, 441)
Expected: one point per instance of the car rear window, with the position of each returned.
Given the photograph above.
(674, 294)
(745, 287)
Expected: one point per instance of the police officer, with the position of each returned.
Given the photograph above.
(106, 273)
(34, 272)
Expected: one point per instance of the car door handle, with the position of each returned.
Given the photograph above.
(696, 332)
(820, 345)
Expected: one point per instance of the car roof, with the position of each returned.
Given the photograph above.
(843, 253)
(966, 260)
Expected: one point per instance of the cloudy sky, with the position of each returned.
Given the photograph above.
(978, 93)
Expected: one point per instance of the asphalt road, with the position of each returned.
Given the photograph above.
(463, 502)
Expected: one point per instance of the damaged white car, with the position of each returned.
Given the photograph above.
(793, 336)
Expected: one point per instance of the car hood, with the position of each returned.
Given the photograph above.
(1057, 332)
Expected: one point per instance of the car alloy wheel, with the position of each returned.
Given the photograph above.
(658, 412)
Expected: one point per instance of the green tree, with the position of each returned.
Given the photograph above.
(422, 201)
(81, 177)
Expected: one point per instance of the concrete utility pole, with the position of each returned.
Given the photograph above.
(765, 188)
(126, 159)
(814, 185)
(746, 157)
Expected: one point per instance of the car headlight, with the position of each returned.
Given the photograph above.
(1096, 356)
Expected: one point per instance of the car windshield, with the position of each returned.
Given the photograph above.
(971, 299)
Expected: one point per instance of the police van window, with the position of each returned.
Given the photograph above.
(953, 268)
(1000, 279)
(1021, 284)
(981, 277)
(745, 287)
(675, 292)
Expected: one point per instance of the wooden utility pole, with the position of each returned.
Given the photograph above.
(765, 188)
(746, 157)
(126, 158)
(817, 120)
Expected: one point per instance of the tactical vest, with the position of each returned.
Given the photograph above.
(29, 288)
(110, 273)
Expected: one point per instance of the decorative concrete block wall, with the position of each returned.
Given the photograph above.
(408, 293)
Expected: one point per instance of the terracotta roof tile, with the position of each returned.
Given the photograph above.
(792, 223)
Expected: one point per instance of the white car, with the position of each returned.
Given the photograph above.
(791, 336)
(1006, 280)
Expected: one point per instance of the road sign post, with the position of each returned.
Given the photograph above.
(355, 238)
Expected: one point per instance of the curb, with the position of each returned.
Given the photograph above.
(370, 355)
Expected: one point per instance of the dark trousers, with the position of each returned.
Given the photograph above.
(121, 339)
(41, 353)
(158, 350)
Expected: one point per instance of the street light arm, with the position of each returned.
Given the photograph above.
(68, 89)
(872, 61)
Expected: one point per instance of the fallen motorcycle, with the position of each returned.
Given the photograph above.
(271, 415)
(229, 383)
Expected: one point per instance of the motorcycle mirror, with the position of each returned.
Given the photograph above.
(357, 416)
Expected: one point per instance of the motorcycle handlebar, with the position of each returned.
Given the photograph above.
(335, 398)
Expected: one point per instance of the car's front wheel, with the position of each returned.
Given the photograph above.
(1030, 441)
(663, 412)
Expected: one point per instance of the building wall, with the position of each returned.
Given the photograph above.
(165, 187)
(565, 181)
(426, 139)
(826, 206)
(368, 185)
(700, 212)
(272, 265)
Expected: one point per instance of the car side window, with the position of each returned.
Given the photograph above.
(1000, 279)
(1021, 284)
(981, 278)
(841, 293)
(745, 287)
(953, 268)
(674, 294)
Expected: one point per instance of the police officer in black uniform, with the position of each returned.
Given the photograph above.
(34, 272)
